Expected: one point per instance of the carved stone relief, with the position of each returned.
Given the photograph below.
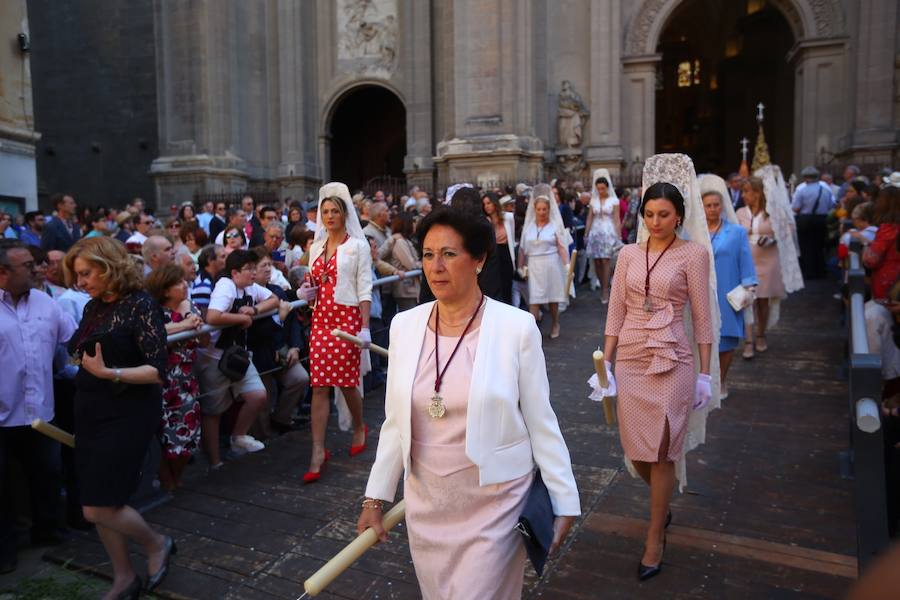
(367, 36)
(826, 18)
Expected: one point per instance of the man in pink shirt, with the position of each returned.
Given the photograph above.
(31, 327)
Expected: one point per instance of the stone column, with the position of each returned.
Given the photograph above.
(298, 170)
(874, 137)
(493, 130)
(416, 68)
(639, 106)
(194, 91)
(820, 107)
(605, 149)
(18, 172)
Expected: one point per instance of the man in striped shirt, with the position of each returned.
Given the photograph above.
(211, 262)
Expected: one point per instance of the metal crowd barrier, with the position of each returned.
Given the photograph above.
(866, 437)
(186, 335)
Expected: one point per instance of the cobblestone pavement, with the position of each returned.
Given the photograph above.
(766, 514)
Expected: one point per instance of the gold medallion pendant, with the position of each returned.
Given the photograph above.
(436, 409)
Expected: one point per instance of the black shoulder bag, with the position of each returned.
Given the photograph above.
(233, 342)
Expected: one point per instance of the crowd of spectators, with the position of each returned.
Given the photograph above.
(222, 265)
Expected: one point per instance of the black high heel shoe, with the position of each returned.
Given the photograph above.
(645, 572)
(157, 578)
(133, 591)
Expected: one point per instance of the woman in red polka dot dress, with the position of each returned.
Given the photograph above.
(339, 285)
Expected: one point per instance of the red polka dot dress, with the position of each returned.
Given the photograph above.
(332, 361)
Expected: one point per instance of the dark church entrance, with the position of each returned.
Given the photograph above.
(719, 60)
(368, 137)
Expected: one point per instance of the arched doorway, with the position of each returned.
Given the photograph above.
(368, 136)
(719, 60)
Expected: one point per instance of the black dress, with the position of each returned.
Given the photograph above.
(115, 422)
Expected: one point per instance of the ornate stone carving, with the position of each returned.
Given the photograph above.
(572, 114)
(570, 163)
(367, 36)
(808, 19)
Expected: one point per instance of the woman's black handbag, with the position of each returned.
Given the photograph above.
(536, 523)
(234, 362)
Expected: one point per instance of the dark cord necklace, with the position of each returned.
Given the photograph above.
(437, 409)
(648, 305)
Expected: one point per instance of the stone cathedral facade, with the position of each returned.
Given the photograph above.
(273, 93)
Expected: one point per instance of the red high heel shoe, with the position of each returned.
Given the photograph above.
(310, 477)
(354, 450)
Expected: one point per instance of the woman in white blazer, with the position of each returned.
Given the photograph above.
(467, 417)
(339, 286)
(504, 232)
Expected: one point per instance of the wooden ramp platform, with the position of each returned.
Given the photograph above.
(766, 514)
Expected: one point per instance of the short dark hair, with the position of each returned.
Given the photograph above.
(192, 228)
(476, 231)
(602, 180)
(160, 279)
(403, 224)
(206, 256)
(266, 209)
(7, 244)
(31, 216)
(57, 198)
(238, 259)
(38, 254)
(261, 252)
(663, 189)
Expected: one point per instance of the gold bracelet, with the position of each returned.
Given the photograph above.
(372, 503)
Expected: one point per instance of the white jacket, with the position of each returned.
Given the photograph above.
(509, 224)
(354, 270)
(510, 424)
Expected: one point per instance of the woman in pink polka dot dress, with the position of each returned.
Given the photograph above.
(654, 364)
(339, 285)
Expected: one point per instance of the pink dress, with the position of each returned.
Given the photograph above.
(462, 536)
(654, 362)
(333, 362)
(765, 258)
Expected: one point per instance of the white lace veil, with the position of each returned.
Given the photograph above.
(595, 197)
(713, 183)
(678, 169)
(542, 190)
(336, 189)
(778, 206)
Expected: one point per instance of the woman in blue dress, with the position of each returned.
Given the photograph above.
(734, 265)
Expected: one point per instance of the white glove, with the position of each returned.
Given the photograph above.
(307, 292)
(365, 336)
(599, 392)
(702, 391)
(523, 272)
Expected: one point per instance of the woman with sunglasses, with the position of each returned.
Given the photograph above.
(234, 239)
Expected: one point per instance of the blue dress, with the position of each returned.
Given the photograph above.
(734, 266)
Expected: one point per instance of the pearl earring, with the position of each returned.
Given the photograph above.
(478, 270)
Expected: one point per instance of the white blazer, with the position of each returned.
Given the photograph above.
(354, 270)
(509, 223)
(510, 424)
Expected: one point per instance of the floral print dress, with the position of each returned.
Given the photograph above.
(180, 430)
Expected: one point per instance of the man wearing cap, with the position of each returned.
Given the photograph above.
(812, 202)
(312, 213)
